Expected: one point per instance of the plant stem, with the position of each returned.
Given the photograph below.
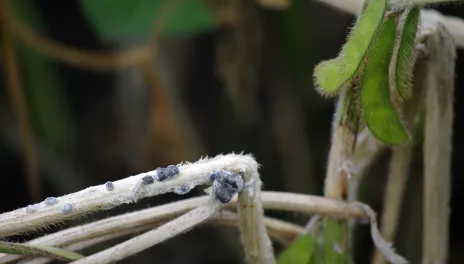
(437, 146)
(97, 198)
(343, 142)
(393, 198)
(338, 173)
(255, 241)
(283, 232)
(155, 236)
(139, 220)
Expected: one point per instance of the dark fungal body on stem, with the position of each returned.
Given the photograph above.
(226, 184)
(163, 174)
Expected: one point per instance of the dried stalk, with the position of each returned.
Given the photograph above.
(437, 146)
(281, 231)
(100, 198)
(311, 204)
(397, 177)
(153, 237)
(255, 241)
(298, 203)
(343, 142)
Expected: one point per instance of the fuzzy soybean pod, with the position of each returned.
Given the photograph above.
(379, 113)
(404, 56)
(331, 75)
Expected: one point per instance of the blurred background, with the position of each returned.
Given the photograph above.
(97, 90)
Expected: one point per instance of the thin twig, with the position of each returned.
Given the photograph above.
(13, 80)
(437, 146)
(153, 237)
(454, 25)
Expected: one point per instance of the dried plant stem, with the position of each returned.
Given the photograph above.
(99, 198)
(255, 241)
(281, 231)
(310, 204)
(299, 203)
(397, 177)
(153, 237)
(454, 25)
(13, 81)
(343, 143)
(437, 146)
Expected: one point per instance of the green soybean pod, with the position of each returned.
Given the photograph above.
(404, 56)
(378, 111)
(331, 75)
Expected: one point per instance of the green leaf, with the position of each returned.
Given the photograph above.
(300, 251)
(378, 111)
(404, 55)
(116, 19)
(335, 242)
(332, 75)
(44, 251)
